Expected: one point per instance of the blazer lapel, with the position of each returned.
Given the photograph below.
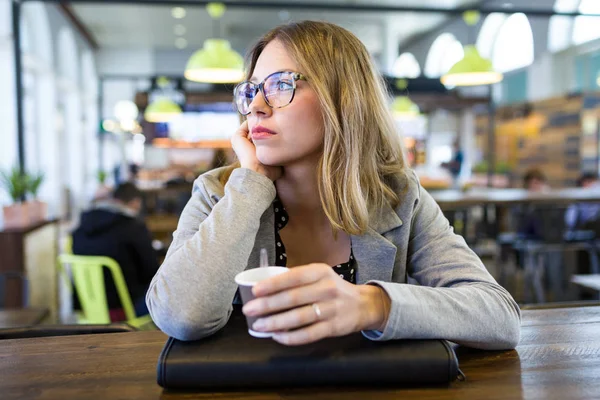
(375, 255)
(265, 238)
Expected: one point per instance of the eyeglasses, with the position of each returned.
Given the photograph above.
(278, 90)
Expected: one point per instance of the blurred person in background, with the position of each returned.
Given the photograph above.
(535, 181)
(112, 229)
(454, 166)
(583, 215)
(524, 221)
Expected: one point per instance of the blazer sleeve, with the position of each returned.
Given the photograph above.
(191, 294)
(457, 299)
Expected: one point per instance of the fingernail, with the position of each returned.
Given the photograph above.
(259, 325)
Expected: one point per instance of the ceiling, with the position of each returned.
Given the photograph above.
(148, 26)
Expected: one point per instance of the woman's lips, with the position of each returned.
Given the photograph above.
(260, 132)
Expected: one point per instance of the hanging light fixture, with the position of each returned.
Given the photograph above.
(404, 107)
(162, 110)
(216, 62)
(473, 69)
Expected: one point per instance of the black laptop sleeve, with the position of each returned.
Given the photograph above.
(232, 358)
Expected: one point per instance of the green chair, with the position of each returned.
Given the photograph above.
(88, 278)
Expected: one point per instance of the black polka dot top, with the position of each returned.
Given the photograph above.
(346, 270)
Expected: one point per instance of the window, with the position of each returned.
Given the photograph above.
(406, 66)
(560, 29)
(585, 28)
(488, 33)
(72, 164)
(513, 48)
(445, 51)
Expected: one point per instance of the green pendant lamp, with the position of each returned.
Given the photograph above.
(473, 69)
(403, 107)
(216, 62)
(162, 110)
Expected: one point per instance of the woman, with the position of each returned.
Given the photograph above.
(323, 187)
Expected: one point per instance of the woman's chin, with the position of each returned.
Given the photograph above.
(269, 159)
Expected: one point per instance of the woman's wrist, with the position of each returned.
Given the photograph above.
(376, 305)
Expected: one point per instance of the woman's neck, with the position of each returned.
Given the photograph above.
(298, 190)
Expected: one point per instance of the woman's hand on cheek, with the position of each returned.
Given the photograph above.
(312, 302)
(242, 145)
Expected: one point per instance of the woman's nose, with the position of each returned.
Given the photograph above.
(259, 105)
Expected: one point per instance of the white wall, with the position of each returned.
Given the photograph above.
(125, 62)
(128, 62)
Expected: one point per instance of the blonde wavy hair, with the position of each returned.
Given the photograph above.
(362, 154)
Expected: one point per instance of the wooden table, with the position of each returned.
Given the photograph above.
(451, 199)
(14, 318)
(558, 358)
(590, 281)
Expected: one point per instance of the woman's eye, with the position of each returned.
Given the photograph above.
(284, 85)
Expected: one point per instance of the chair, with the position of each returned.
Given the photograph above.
(88, 278)
(551, 237)
(4, 277)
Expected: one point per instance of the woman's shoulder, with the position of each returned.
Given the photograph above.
(406, 185)
(211, 183)
(408, 188)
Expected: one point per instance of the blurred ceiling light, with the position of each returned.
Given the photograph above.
(406, 66)
(403, 107)
(181, 43)
(126, 110)
(179, 30)
(162, 110)
(109, 125)
(216, 62)
(473, 69)
(178, 12)
(128, 125)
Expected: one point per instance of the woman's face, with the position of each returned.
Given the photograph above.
(297, 128)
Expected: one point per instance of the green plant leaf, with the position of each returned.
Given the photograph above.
(15, 183)
(34, 183)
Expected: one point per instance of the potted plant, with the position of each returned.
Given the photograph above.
(500, 177)
(16, 185)
(102, 177)
(103, 191)
(38, 208)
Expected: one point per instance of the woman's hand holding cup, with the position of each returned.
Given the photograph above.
(312, 302)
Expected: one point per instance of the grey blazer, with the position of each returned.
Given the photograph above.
(223, 228)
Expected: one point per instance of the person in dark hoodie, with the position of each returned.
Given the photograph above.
(112, 229)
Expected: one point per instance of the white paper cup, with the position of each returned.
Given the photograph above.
(246, 281)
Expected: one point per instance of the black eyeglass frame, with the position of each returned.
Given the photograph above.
(296, 76)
